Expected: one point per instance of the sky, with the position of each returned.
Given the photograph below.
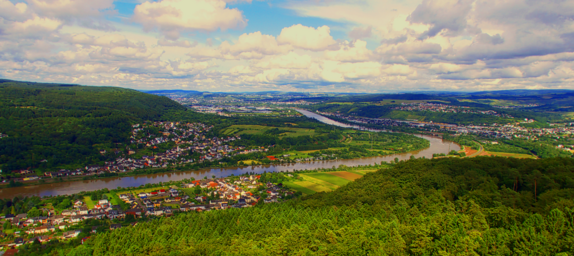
(363, 46)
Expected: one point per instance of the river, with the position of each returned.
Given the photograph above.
(437, 146)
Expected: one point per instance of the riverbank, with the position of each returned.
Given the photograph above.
(66, 187)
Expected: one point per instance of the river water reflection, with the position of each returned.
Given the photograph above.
(437, 146)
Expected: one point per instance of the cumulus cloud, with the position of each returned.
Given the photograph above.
(308, 38)
(436, 44)
(172, 17)
(357, 51)
(34, 27)
(442, 15)
(11, 11)
(254, 45)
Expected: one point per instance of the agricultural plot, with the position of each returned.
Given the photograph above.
(346, 175)
(300, 186)
(260, 129)
(321, 182)
(329, 178)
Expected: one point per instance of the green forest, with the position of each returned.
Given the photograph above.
(448, 206)
(52, 125)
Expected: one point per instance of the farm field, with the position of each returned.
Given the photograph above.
(346, 175)
(300, 186)
(260, 129)
(311, 186)
(324, 181)
(89, 203)
(329, 178)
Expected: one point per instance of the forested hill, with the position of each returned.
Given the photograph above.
(65, 124)
(479, 206)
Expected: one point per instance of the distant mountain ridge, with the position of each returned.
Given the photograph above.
(67, 125)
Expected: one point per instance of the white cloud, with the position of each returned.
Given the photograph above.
(34, 27)
(172, 17)
(438, 44)
(11, 11)
(308, 38)
(291, 60)
(357, 51)
(254, 45)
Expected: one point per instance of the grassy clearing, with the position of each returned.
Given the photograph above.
(328, 177)
(147, 190)
(346, 175)
(89, 203)
(188, 191)
(298, 187)
(113, 198)
(173, 206)
(309, 151)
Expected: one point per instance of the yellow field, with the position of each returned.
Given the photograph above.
(504, 154)
(309, 151)
(250, 162)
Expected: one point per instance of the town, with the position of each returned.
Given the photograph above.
(129, 205)
(442, 108)
(495, 131)
(182, 143)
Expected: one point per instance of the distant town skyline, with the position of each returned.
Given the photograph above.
(346, 46)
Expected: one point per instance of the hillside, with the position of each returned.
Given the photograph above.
(66, 124)
(480, 206)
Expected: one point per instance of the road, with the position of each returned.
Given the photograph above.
(477, 153)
